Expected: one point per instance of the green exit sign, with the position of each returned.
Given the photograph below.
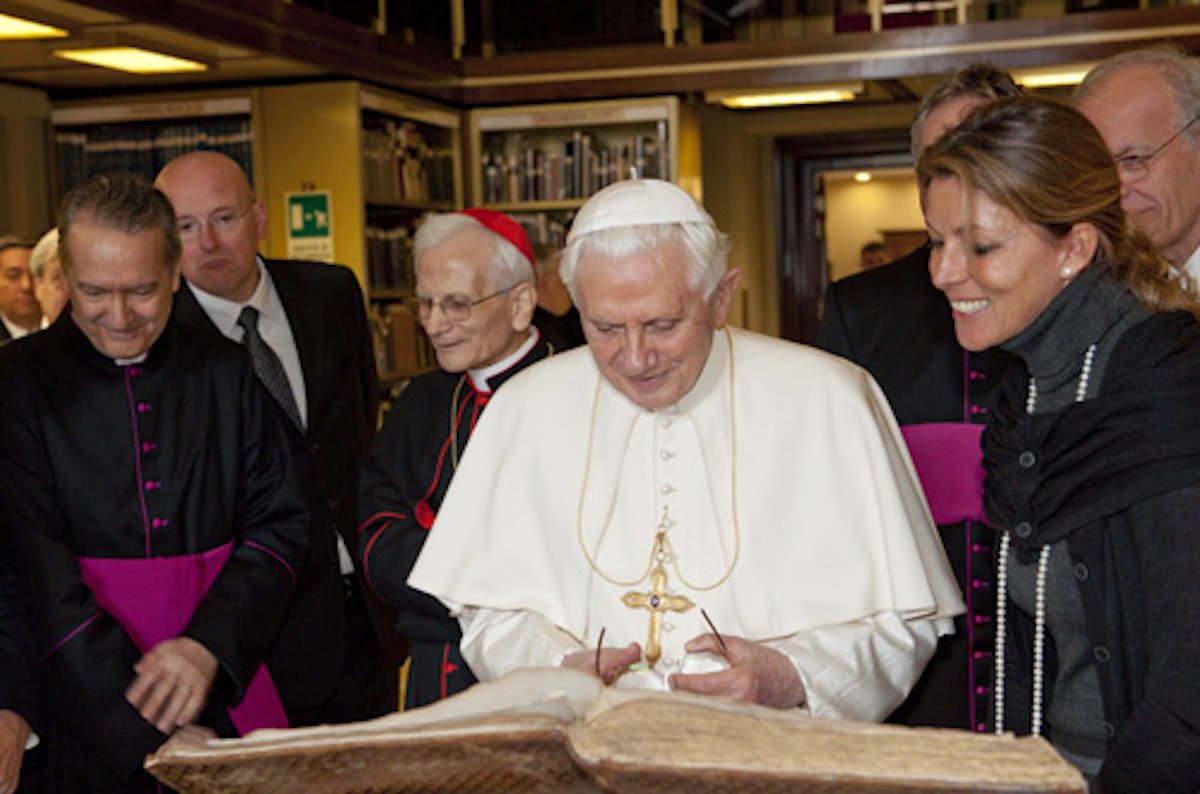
(308, 214)
(310, 225)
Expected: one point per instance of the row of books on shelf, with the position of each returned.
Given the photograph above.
(389, 258)
(401, 347)
(145, 148)
(399, 164)
(545, 228)
(575, 168)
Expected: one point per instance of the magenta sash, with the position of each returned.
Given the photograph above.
(154, 598)
(949, 462)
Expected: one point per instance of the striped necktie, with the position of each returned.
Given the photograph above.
(267, 365)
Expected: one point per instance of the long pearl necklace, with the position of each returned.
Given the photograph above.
(665, 549)
(1039, 598)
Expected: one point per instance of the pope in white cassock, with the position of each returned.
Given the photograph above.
(687, 505)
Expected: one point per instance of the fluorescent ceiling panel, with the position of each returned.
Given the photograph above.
(132, 59)
(12, 27)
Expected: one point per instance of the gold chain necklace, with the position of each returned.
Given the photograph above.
(666, 542)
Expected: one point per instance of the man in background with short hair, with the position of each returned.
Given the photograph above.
(1146, 105)
(872, 255)
(20, 313)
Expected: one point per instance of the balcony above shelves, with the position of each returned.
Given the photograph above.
(607, 50)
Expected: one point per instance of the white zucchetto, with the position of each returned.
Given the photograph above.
(637, 202)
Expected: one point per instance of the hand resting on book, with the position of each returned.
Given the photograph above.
(742, 670)
(606, 663)
(756, 673)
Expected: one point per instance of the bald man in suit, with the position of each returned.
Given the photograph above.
(312, 319)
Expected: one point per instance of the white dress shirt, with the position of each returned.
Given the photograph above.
(14, 330)
(272, 324)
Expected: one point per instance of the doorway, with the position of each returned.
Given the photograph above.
(804, 167)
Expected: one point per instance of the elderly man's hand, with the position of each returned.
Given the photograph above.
(611, 664)
(173, 682)
(14, 733)
(756, 673)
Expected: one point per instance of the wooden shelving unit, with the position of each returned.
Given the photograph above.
(540, 163)
(387, 159)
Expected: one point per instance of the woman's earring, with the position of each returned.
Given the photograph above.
(1067, 273)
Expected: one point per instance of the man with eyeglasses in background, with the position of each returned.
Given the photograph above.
(1146, 105)
(305, 328)
(475, 298)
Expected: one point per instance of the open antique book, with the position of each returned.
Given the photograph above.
(556, 730)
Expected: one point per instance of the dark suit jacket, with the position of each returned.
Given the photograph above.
(896, 324)
(18, 659)
(324, 306)
(5, 336)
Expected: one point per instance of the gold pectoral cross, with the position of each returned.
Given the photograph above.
(657, 601)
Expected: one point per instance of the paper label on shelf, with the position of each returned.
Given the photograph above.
(310, 226)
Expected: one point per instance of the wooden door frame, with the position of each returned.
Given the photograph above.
(803, 271)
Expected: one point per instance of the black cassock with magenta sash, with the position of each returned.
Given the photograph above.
(142, 501)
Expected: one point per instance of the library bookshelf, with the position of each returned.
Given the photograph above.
(540, 163)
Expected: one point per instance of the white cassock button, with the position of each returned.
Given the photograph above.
(664, 421)
(665, 489)
(665, 454)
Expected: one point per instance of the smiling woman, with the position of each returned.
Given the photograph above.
(1093, 450)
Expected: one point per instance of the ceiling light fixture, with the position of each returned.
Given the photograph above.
(782, 97)
(14, 27)
(862, 177)
(1052, 77)
(128, 58)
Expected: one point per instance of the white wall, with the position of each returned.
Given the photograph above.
(858, 213)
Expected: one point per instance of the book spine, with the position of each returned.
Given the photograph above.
(577, 164)
(664, 152)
